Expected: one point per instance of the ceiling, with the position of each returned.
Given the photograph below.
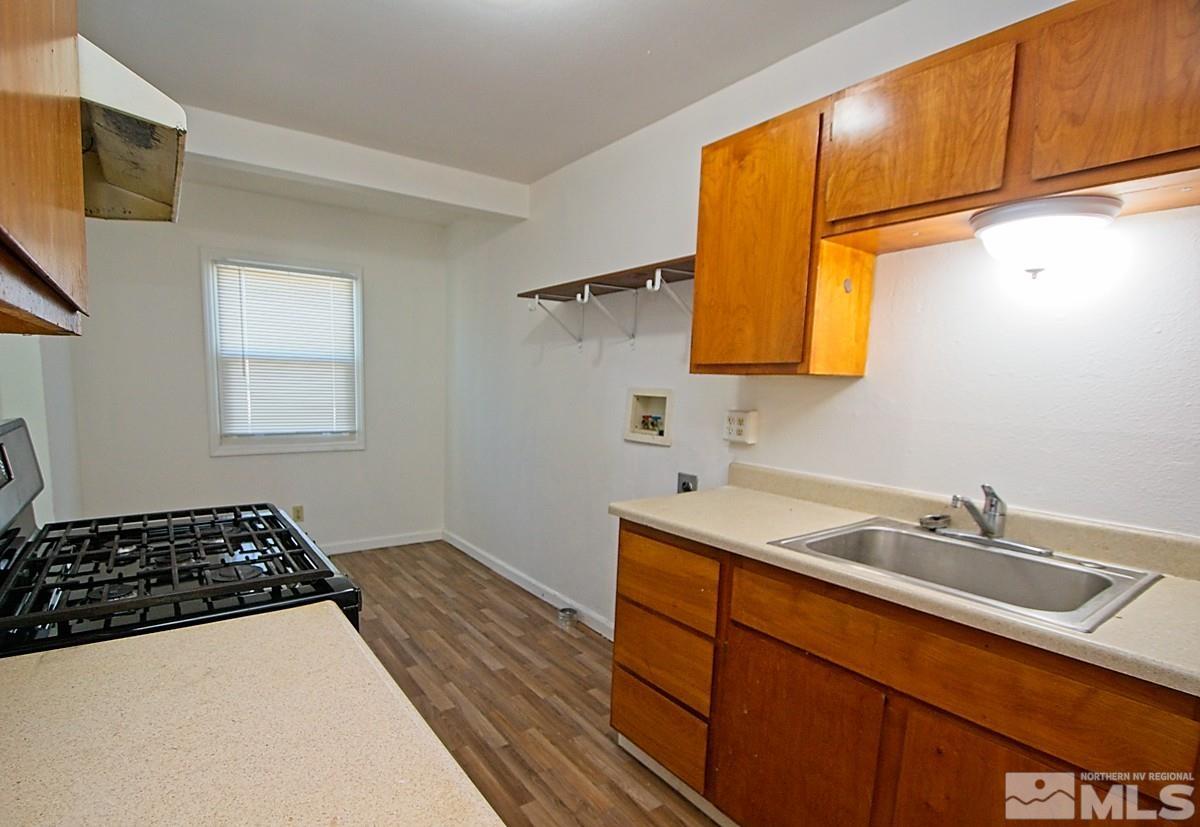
(510, 88)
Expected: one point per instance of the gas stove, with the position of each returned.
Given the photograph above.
(83, 580)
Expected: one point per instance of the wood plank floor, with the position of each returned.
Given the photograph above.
(521, 704)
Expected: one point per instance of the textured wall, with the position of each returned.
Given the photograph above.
(1075, 393)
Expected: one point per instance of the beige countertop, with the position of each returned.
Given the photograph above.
(283, 717)
(1156, 637)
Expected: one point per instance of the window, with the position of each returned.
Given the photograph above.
(285, 357)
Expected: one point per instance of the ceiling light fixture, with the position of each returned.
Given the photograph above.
(1034, 235)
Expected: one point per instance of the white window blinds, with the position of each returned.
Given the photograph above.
(287, 351)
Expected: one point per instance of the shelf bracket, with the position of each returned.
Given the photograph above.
(537, 302)
(657, 285)
(586, 297)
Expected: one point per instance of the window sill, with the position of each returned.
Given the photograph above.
(246, 446)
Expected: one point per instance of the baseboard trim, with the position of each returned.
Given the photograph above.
(590, 617)
(694, 798)
(368, 543)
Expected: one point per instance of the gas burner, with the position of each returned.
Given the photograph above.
(233, 573)
(126, 555)
(115, 591)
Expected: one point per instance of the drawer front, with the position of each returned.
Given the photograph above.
(1049, 703)
(673, 581)
(676, 660)
(668, 733)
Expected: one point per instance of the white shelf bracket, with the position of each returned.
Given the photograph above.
(536, 302)
(658, 285)
(586, 297)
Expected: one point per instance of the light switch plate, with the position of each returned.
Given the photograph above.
(741, 426)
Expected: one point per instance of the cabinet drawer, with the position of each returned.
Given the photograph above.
(911, 139)
(1086, 716)
(677, 583)
(676, 660)
(668, 733)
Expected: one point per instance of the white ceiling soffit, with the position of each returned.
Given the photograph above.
(508, 88)
(243, 154)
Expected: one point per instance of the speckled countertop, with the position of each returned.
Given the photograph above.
(284, 717)
(1156, 637)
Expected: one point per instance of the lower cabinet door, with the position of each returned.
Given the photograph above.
(949, 772)
(795, 740)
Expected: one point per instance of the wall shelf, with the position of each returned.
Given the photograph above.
(654, 278)
(676, 269)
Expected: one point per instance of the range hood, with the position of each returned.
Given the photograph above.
(132, 141)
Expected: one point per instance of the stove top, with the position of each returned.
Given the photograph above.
(87, 579)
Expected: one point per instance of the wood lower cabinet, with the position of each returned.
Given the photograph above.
(664, 648)
(814, 704)
(795, 740)
(43, 268)
(1117, 83)
(947, 772)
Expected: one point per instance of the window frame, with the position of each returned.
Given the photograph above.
(224, 446)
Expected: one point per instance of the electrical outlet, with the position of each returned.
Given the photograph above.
(298, 513)
(741, 426)
(686, 483)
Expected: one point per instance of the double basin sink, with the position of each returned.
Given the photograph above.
(1063, 591)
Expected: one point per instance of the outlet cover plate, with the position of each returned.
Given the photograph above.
(741, 426)
(686, 483)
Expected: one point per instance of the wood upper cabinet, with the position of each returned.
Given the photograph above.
(1116, 83)
(795, 740)
(769, 297)
(754, 242)
(43, 277)
(916, 138)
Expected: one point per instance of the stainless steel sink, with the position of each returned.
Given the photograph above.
(1064, 591)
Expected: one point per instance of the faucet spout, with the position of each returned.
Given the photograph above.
(991, 517)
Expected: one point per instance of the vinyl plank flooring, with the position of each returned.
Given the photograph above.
(521, 704)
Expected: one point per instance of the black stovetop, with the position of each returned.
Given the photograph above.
(71, 582)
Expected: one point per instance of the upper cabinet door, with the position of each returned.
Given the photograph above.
(1117, 83)
(754, 242)
(916, 138)
(41, 154)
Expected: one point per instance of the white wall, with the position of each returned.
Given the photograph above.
(1074, 395)
(139, 369)
(22, 394)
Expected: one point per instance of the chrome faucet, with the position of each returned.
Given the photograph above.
(991, 517)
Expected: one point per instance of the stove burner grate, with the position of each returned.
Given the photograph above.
(116, 565)
(235, 572)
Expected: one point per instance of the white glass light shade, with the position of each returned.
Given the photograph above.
(1038, 234)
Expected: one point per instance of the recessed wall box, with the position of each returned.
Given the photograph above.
(649, 417)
